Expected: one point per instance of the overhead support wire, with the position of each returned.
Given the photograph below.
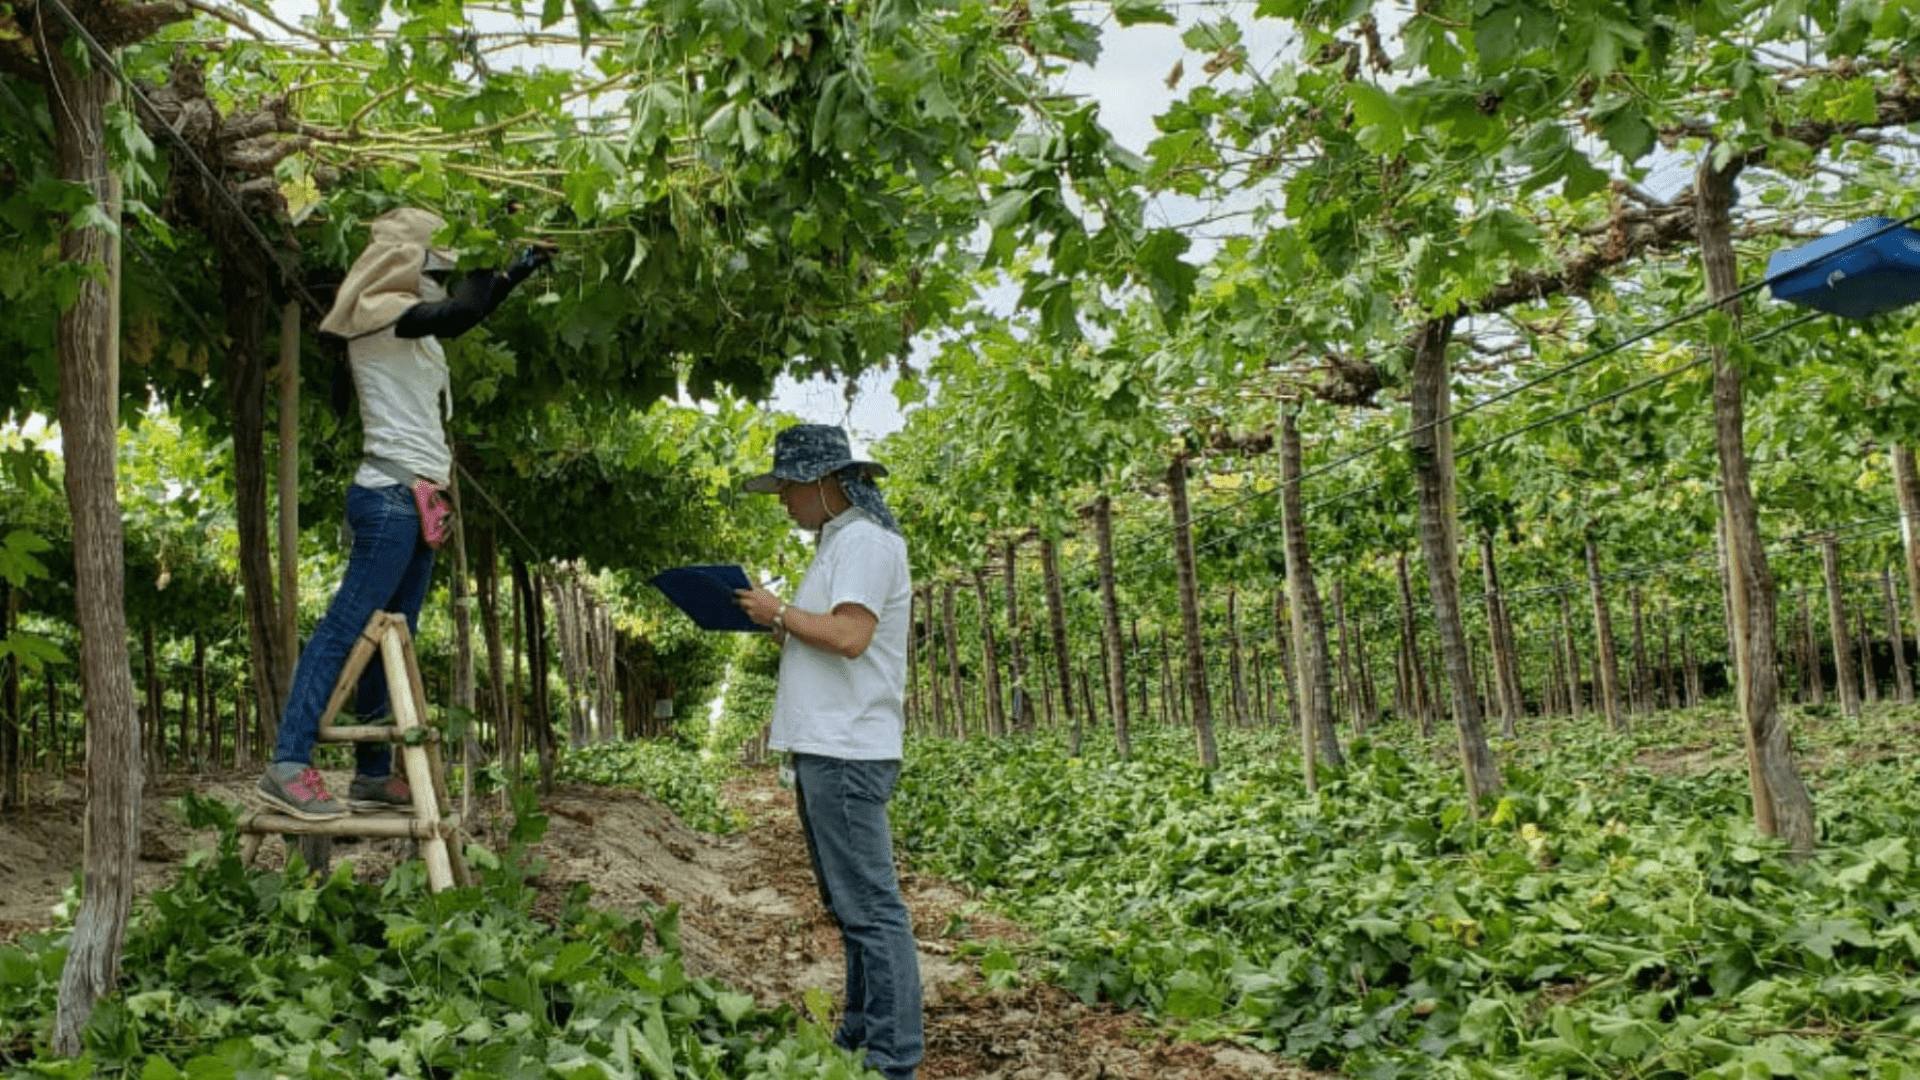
(112, 64)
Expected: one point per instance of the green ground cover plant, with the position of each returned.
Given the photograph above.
(679, 776)
(231, 973)
(1603, 919)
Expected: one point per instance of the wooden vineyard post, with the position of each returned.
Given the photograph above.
(1790, 813)
(1201, 703)
(1311, 655)
(1869, 685)
(1896, 640)
(995, 716)
(1573, 656)
(958, 700)
(1906, 487)
(1837, 627)
(1737, 616)
(1110, 626)
(1020, 716)
(1057, 624)
(1607, 667)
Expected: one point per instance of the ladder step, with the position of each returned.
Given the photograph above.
(381, 826)
(359, 733)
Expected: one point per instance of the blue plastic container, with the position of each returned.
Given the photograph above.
(1842, 275)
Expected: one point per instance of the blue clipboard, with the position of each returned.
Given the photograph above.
(705, 593)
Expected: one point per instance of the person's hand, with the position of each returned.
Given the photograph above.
(760, 605)
(531, 258)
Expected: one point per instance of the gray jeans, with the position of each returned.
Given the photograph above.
(843, 812)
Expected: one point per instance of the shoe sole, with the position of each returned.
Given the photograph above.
(373, 807)
(276, 803)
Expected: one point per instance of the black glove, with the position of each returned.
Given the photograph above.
(530, 259)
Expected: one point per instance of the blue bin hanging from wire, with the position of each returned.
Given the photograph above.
(1854, 272)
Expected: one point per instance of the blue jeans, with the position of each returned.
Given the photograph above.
(843, 812)
(389, 570)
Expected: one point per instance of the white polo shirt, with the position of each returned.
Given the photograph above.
(827, 704)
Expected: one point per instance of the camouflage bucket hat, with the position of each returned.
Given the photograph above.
(804, 453)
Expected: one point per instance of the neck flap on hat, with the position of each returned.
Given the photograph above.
(865, 496)
(385, 281)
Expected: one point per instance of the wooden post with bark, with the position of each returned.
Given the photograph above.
(1110, 626)
(1057, 624)
(1432, 440)
(1902, 674)
(1190, 612)
(1837, 628)
(1415, 682)
(1506, 664)
(1021, 716)
(958, 700)
(996, 717)
(1314, 678)
(1775, 776)
(1572, 666)
(1606, 664)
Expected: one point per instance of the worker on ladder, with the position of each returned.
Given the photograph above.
(391, 311)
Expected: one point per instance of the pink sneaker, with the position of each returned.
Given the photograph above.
(299, 790)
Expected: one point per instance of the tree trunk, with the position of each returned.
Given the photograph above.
(193, 743)
(1500, 636)
(245, 292)
(958, 699)
(1643, 691)
(1166, 681)
(1022, 714)
(1670, 694)
(1190, 612)
(1285, 649)
(1309, 622)
(1110, 625)
(1608, 667)
(1236, 671)
(1350, 684)
(1869, 683)
(1572, 670)
(1369, 702)
(1432, 439)
(996, 717)
(289, 491)
(1695, 691)
(1813, 680)
(1057, 623)
(1837, 627)
(87, 347)
(465, 701)
(1776, 777)
(538, 720)
(486, 564)
(1906, 486)
(13, 786)
(1416, 688)
(1137, 672)
(1902, 675)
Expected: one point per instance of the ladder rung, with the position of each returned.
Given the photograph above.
(378, 826)
(359, 733)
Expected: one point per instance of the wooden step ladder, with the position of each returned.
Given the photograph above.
(432, 822)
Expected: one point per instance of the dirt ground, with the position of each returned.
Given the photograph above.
(750, 916)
